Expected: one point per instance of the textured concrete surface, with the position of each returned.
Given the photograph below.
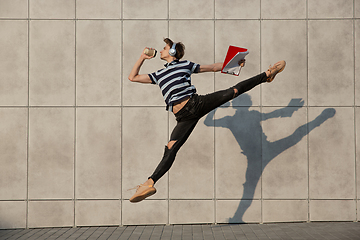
(76, 134)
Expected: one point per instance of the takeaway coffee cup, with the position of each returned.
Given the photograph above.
(150, 52)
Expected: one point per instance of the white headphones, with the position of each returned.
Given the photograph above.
(172, 51)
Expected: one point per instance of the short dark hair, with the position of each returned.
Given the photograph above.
(180, 48)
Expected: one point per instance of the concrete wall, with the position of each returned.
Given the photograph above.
(75, 134)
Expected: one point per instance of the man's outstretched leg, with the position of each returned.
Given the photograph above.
(216, 99)
(246, 85)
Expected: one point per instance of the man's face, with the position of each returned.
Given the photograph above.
(165, 52)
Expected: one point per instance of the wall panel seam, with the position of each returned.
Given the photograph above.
(75, 121)
(28, 118)
(355, 132)
(121, 110)
(307, 108)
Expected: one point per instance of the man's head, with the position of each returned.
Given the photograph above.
(180, 49)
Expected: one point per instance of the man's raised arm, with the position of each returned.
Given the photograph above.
(211, 68)
(134, 75)
(217, 66)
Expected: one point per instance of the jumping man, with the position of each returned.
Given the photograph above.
(181, 99)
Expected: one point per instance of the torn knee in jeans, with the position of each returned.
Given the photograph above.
(171, 144)
(235, 92)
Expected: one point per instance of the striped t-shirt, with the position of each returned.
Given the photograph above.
(174, 81)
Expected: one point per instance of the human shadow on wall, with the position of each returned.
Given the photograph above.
(246, 128)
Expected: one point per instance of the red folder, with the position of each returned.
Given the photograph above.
(233, 56)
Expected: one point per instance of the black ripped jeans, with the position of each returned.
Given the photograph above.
(190, 114)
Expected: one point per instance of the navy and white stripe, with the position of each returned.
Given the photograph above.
(175, 81)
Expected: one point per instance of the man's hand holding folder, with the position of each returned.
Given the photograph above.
(234, 60)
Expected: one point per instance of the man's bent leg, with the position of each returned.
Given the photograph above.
(178, 137)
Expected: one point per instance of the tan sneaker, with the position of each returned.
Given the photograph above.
(142, 192)
(275, 69)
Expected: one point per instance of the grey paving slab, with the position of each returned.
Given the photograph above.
(97, 233)
(3, 232)
(72, 233)
(137, 232)
(49, 233)
(116, 233)
(107, 233)
(13, 232)
(157, 232)
(60, 233)
(9, 233)
(167, 232)
(217, 232)
(25, 234)
(127, 232)
(146, 233)
(37, 235)
(77, 234)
